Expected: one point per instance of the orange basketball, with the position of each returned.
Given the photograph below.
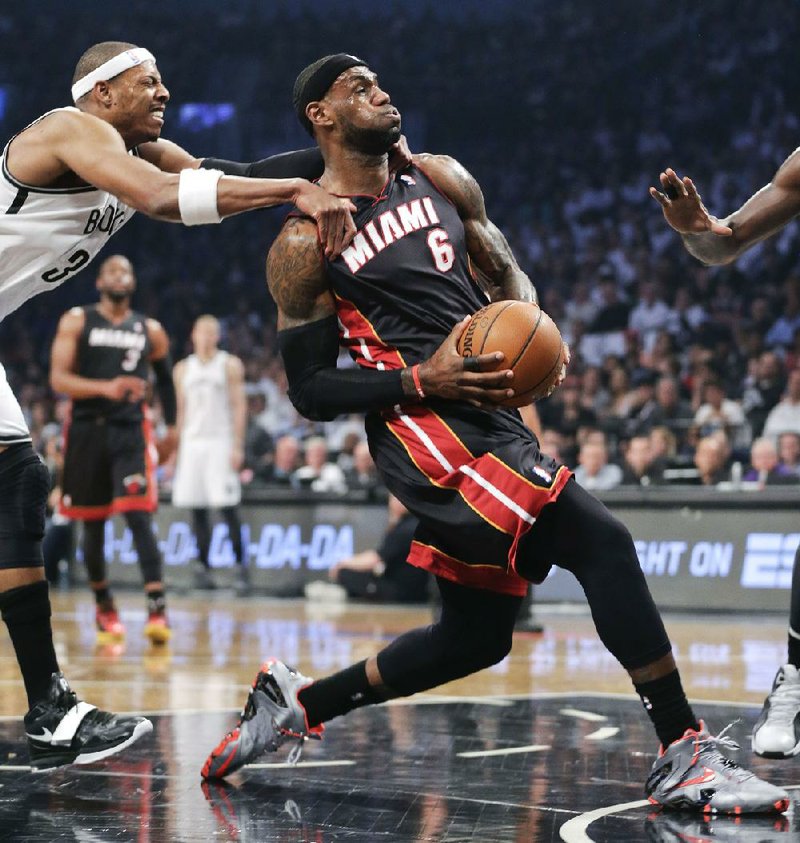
(528, 338)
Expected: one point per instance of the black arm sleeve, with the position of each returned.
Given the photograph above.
(302, 164)
(166, 389)
(318, 389)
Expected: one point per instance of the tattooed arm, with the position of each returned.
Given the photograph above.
(498, 271)
(308, 337)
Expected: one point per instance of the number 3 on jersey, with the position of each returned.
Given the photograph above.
(441, 249)
(77, 260)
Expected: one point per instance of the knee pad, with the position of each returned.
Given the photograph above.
(24, 487)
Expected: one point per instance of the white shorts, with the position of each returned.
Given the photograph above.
(203, 475)
(12, 423)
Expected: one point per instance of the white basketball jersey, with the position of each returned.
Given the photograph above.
(206, 402)
(48, 234)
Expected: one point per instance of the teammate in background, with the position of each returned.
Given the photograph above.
(212, 415)
(494, 512)
(69, 181)
(714, 240)
(101, 358)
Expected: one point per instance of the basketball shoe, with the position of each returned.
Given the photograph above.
(693, 773)
(777, 730)
(272, 715)
(61, 729)
(109, 627)
(157, 628)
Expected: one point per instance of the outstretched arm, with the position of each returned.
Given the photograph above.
(91, 148)
(487, 247)
(308, 336)
(719, 241)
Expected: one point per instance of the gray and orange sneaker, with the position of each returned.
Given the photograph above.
(272, 715)
(692, 773)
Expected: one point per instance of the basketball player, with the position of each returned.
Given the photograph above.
(212, 416)
(101, 358)
(720, 241)
(70, 181)
(494, 512)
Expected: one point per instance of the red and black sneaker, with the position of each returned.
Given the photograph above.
(109, 627)
(272, 714)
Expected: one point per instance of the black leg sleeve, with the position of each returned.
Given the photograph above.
(578, 533)
(473, 632)
(94, 555)
(144, 540)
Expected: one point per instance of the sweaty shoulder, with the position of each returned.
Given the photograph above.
(454, 181)
(296, 273)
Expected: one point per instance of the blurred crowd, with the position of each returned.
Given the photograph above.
(565, 113)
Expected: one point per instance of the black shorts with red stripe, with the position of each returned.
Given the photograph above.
(476, 480)
(109, 467)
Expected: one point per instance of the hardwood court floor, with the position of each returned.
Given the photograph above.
(524, 751)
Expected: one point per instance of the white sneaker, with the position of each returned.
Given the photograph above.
(777, 730)
(325, 592)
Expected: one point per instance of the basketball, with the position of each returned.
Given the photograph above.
(528, 338)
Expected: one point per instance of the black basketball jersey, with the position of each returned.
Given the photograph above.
(404, 281)
(106, 351)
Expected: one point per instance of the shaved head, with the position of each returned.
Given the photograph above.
(99, 54)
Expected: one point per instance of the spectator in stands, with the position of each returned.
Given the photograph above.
(781, 334)
(718, 412)
(285, 462)
(639, 466)
(711, 459)
(258, 444)
(594, 471)
(765, 470)
(642, 404)
(789, 452)
(551, 443)
(650, 315)
(317, 472)
(663, 445)
(605, 335)
(363, 474)
(671, 410)
(564, 413)
(763, 388)
(785, 416)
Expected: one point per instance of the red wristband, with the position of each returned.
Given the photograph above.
(415, 378)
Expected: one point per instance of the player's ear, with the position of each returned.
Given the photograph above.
(102, 92)
(317, 113)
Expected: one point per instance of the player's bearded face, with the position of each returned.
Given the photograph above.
(370, 140)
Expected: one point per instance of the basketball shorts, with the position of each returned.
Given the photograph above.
(109, 467)
(203, 475)
(476, 481)
(13, 428)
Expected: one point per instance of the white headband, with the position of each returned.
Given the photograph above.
(110, 69)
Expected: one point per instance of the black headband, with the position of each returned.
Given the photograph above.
(317, 84)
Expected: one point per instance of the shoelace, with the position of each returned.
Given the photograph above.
(712, 744)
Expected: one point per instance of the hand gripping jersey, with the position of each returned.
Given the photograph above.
(105, 351)
(49, 234)
(475, 479)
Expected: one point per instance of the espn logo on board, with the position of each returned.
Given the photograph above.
(769, 560)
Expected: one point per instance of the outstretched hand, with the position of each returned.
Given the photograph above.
(683, 208)
(477, 380)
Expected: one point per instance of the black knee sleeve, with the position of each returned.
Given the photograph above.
(94, 551)
(24, 487)
(231, 516)
(201, 524)
(474, 632)
(141, 526)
